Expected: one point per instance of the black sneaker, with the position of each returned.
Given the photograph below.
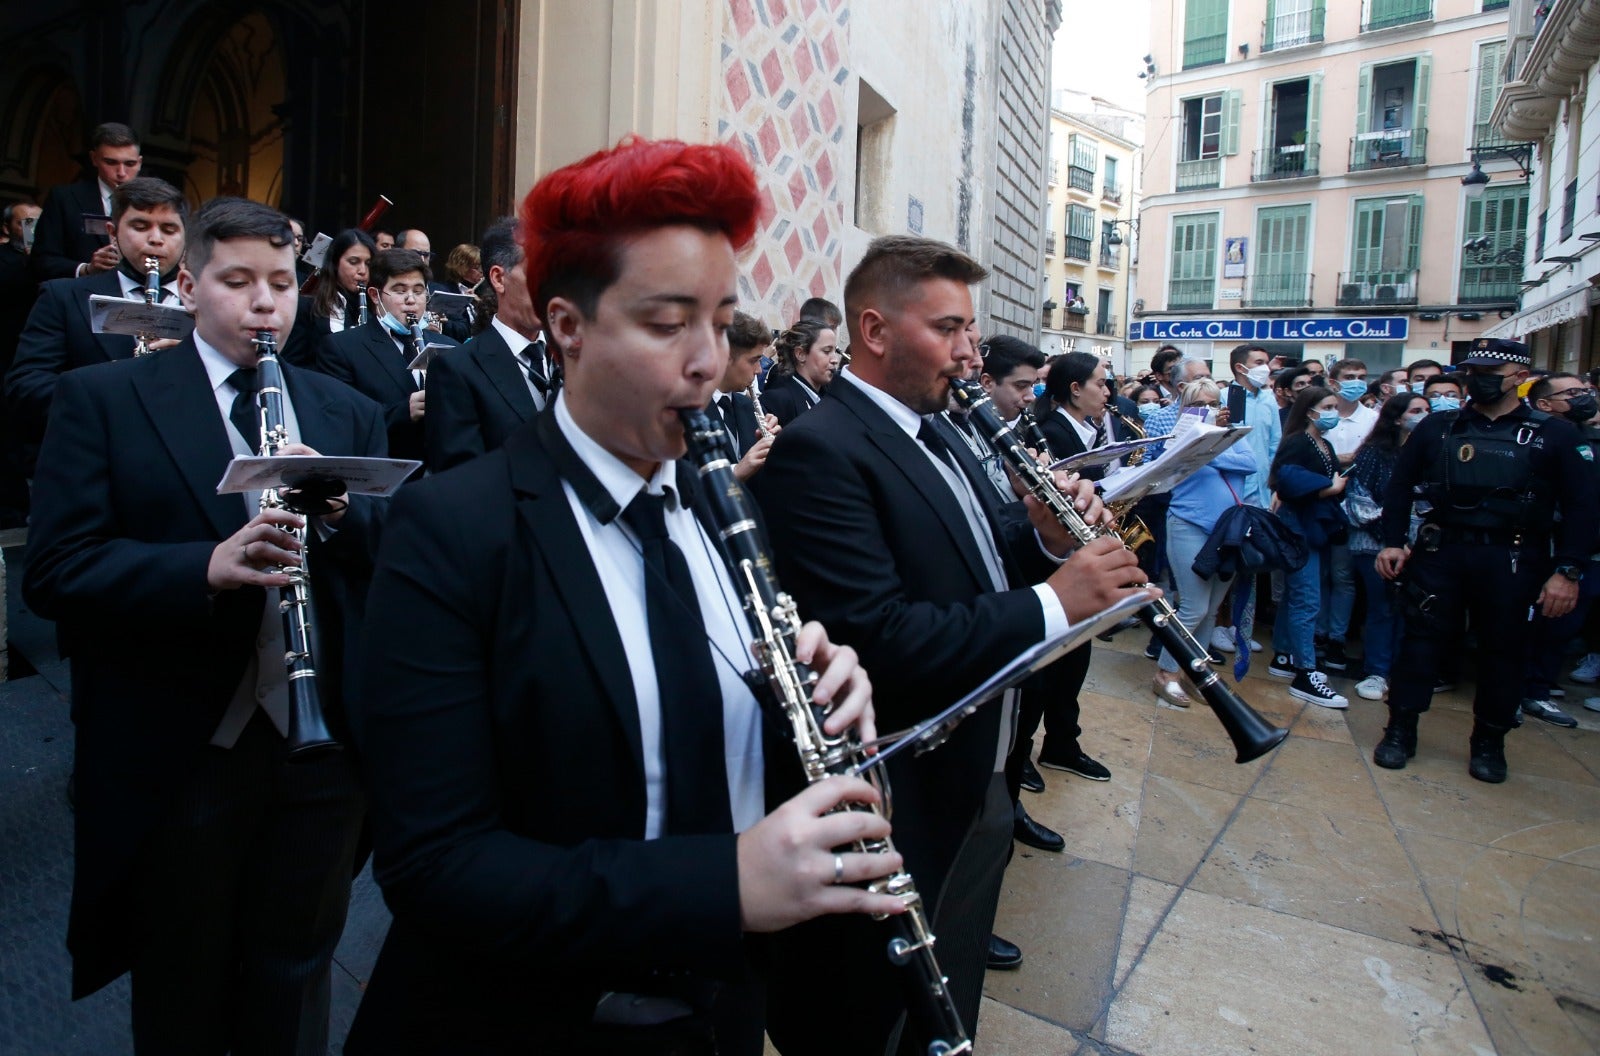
(1488, 762)
(1544, 709)
(1334, 659)
(1032, 780)
(1313, 686)
(1281, 666)
(1076, 763)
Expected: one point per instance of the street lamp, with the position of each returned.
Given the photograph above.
(1113, 238)
(1474, 183)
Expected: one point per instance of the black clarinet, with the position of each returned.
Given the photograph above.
(308, 733)
(774, 623)
(1251, 734)
(1032, 435)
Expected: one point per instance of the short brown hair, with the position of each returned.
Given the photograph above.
(146, 193)
(1346, 364)
(747, 332)
(461, 260)
(112, 134)
(894, 264)
(388, 263)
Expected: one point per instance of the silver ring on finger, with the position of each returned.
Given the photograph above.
(838, 868)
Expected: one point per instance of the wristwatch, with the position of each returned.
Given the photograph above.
(1572, 572)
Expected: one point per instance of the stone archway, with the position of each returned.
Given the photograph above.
(41, 131)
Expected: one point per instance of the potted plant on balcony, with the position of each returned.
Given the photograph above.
(1077, 307)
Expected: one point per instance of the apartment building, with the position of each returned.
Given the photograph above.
(1552, 59)
(1304, 179)
(1089, 250)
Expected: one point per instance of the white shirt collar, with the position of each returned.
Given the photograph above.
(903, 416)
(812, 394)
(517, 342)
(105, 194)
(620, 482)
(134, 291)
(218, 366)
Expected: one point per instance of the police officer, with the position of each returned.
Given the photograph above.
(1494, 474)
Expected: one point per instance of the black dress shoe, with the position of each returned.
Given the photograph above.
(1004, 956)
(1029, 832)
(1076, 763)
(1032, 780)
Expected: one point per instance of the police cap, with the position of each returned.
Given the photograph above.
(1493, 351)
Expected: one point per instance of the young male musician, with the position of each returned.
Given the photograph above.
(63, 247)
(480, 393)
(374, 359)
(886, 529)
(214, 869)
(147, 220)
(575, 846)
(748, 338)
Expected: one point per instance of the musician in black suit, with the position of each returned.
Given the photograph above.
(807, 354)
(17, 293)
(373, 359)
(62, 247)
(148, 218)
(205, 863)
(748, 338)
(336, 305)
(482, 392)
(554, 808)
(885, 529)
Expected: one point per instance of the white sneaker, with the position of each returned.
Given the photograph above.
(1222, 639)
(1588, 669)
(1373, 687)
(1255, 646)
(1591, 703)
(1313, 686)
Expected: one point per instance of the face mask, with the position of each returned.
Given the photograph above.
(1485, 388)
(394, 326)
(1352, 390)
(1581, 408)
(1328, 422)
(1444, 403)
(1147, 409)
(1409, 422)
(1038, 389)
(1258, 376)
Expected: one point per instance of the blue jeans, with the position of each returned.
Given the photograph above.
(1381, 637)
(1547, 643)
(1294, 632)
(1197, 598)
(1339, 593)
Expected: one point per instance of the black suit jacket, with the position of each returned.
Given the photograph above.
(1065, 442)
(367, 359)
(458, 321)
(55, 339)
(156, 658)
(501, 738)
(477, 396)
(60, 243)
(17, 293)
(870, 540)
(785, 399)
(744, 428)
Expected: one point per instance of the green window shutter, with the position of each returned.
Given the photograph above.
(1491, 58)
(1232, 104)
(1414, 233)
(1265, 141)
(1272, 21)
(1080, 221)
(1364, 101)
(1319, 18)
(1366, 241)
(1205, 32)
(1280, 250)
(1314, 110)
(1419, 110)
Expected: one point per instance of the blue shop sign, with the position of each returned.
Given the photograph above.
(1317, 328)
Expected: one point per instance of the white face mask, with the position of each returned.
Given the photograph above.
(1259, 375)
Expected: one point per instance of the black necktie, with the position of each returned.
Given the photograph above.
(1099, 439)
(691, 698)
(934, 442)
(725, 405)
(244, 415)
(533, 366)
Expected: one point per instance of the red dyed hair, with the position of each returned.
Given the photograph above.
(575, 220)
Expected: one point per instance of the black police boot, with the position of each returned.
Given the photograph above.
(1488, 747)
(1399, 741)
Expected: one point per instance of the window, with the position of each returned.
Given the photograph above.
(1193, 282)
(1490, 78)
(1391, 115)
(1104, 320)
(1205, 33)
(1291, 23)
(1282, 275)
(1569, 203)
(1110, 189)
(1080, 231)
(1381, 14)
(1210, 130)
(1491, 263)
(1385, 252)
(1109, 254)
(1083, 157)
(1290, 129)
(874, 141)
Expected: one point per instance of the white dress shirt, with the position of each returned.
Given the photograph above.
(812, 395)
(519, 345)
(134, 291)
(620, 563)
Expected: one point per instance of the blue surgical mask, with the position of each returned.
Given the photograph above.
(1444, 403)
(394, 325)
(1147, 409)
(1038, 389)
(1328, 422)
(1352, 390)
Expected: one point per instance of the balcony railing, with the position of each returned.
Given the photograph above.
(1381, 14)
(1392, 148)
(1199, 175)
(1379, 288)
(1289, 32)
(1072, 322)
(1489, 286)
(1080, 179)
(1204, 51)
(1516, 55)
(1110, 257)
(1191, 293)
(1106, 327)
(1278, 290)
(1050, 243)
(1286, 163)
(1078, 248)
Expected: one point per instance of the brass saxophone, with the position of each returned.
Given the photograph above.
(308, 733)
(774, 623)
(1136, 428)
(152, 294)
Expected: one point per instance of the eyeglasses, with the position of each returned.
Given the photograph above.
(413, 294)
(1568, 394)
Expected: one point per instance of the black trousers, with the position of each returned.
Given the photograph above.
(1477, 579)
(239, 899)
(1051, 696)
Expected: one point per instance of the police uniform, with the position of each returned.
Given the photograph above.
(1488, 543)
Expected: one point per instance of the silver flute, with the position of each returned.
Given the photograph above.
(761, 416)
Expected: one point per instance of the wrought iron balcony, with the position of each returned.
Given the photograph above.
(1201, 174)
(1072, 322)
(1050, 249)
(1191, 293)
(1376, 288)
(1290, 30)
(1278, 290)
(1391, 148)
(1288, 162)
(1106, 328)
(1078, 248)
(1111, 193)
(1110, 256)
(1080, 179)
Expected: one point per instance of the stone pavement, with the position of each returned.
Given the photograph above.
(1303, 904)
